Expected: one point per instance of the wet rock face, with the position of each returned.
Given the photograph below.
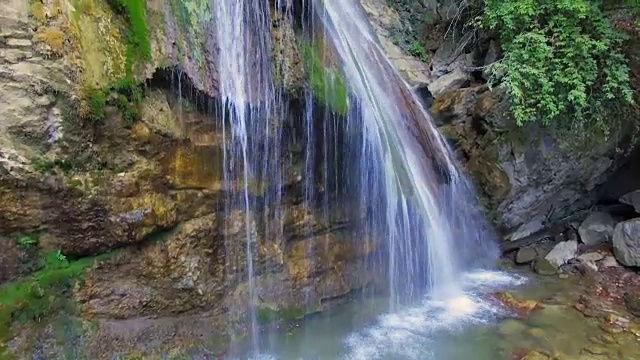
(527, 176)
(152, 191)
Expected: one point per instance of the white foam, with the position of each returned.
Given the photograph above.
(406, 333)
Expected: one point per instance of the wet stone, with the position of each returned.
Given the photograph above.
(526, 255)
(544, 267)
(537, 333)
(611, 328)
(510, 327)
(608, 339)
(594, 350)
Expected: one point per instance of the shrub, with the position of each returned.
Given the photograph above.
(562, 62)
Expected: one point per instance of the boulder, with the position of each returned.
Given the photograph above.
(597, 228)
(633, 199)
(626, 242)
(542, 266)
(451, 81)
(562, 253)
(526, 255)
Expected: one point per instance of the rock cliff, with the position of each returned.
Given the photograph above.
(111, 153)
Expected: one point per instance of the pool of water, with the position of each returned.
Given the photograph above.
(461, 326)
(470, 325)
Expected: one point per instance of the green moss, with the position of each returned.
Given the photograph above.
(137, 32)
(41, 294)
(128, 101)
(267, 315)
(327, 84)
(46, 166)
(96, 103)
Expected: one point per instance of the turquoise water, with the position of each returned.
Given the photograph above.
(460, 327)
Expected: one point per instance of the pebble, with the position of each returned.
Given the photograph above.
(608, 339)
(537, 333)
(591, 257)
(594, 350)
(611, 328)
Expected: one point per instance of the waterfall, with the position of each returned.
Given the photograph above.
(397, 169)
(431, 222)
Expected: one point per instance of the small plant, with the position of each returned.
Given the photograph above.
(418, 51)
(96, 101)
(42, 165)
(53, 37)
(27, 240)
(61, 257)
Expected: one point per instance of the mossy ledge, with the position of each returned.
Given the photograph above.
(327, 84)
(267, 314)
(41, 294)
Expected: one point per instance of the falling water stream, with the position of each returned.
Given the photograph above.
(399, 171)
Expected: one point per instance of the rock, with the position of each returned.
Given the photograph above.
(542, 266)
(493, 55)
(526, 255)
(591, 257)
(626, 242)
(452, 104)
(537, 333)
(526, 230)
(633, 199)
(451, 81)
(562, 253)
(632, 301)
(609, 261)
(18, 43)
(511, 327)
(521, 307)
(594, 350)
(534, 355)
(597, 228)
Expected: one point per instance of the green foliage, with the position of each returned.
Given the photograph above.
(407, 33)
(562, 63)
(27, 240)
(46, 166)
(418, 51)
(41, 294)
(128, 99)
(328, 85)
(42, 165)
(96, 102)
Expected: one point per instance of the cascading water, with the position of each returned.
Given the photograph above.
(428, 214)
(397, 169)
